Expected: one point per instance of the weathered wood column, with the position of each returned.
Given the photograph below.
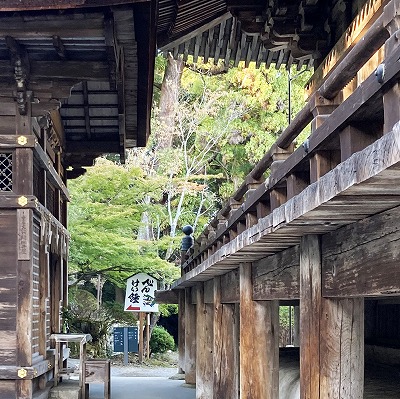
(259, 347)
(331, 335)
(181, 331)
(23, 188)
(204, 347)
(190, 338)
(226, 347)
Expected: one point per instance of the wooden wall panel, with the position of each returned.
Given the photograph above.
(362, 259)
(277, 276)
(35, 290)
(230, 287)
(8, 287)
(7, 389)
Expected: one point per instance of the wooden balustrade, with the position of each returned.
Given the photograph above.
(336, 134)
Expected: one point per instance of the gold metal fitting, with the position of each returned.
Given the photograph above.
(49, 366)
(22, 373)
(22, 201)
(22, 140)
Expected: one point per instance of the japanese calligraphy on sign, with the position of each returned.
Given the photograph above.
(139, 296)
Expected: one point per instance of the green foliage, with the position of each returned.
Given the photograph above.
(167, 310)
(104, 220)
(161, 340)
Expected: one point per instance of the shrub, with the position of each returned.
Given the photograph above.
(161, 340)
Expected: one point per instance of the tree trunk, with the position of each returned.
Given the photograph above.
(169, 102)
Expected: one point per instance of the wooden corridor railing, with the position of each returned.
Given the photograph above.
(345, 118)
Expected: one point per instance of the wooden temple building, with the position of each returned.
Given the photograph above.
(313, 225)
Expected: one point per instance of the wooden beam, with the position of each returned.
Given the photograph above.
(361, 260)
(259, 347)
(53, 70)
(204, 346)
(277, 276)
(91, 146)
(16, 5)
(190, 338)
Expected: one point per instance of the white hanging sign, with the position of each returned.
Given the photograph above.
(140, 293)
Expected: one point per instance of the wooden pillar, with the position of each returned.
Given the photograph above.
(190, 338)
(310, 310)
(181, 331)
(296, 326)
(331, 335)
(23, 186)
(259, 348)
(342, 349)
(226, 347)
(204, 346)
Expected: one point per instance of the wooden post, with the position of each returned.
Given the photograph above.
(342, 349)
(204, 348)
(310, 310)
(148, 335)
(23, 186)
(331, 335)
(226, 347)
(353, 140)
(181, 331)
(141, 322)
(259, 347)
(190, 338)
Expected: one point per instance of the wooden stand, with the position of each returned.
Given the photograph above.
(59, 370)
(98, 371)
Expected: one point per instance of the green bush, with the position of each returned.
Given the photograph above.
(161, 340)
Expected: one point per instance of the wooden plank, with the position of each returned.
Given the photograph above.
(362, 259)
(259, 348)
(226, 346)
(230, 282)
(7, 389)
(204, 346)
(190, 339)
(24, 228)
(13, 140)
(209, 291)
(277, 276)
(310, 311)
(342, 349)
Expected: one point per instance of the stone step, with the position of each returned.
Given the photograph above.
(68, 389)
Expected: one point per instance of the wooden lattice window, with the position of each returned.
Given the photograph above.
(6, 175)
